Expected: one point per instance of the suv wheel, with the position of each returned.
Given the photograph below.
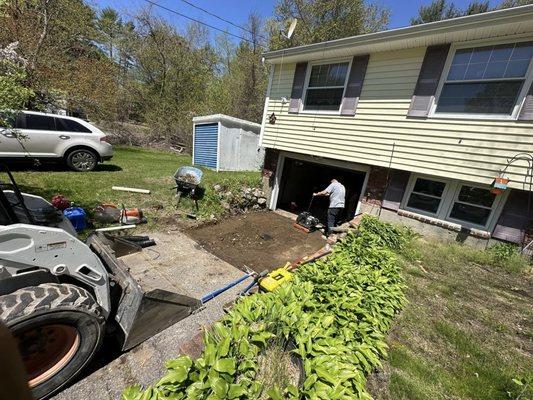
(82, 160)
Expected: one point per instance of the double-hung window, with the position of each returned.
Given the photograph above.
(426, 195)
(325, 86)
(486, 80)
(472, 206)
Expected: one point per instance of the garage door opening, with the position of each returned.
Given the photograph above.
(300, 179)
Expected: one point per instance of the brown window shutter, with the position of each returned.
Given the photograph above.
(428, 80)
(513, 220)
(395, 190)
(355, 85)
(526, 114)
(297, 87)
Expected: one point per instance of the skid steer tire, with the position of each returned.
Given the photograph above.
(58, 329)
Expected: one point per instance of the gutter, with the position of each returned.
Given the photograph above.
(461, 23)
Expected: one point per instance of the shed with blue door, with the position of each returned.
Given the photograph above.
(225, 143)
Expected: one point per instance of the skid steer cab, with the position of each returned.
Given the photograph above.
(59, 296)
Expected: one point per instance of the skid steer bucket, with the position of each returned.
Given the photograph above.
(147, 304)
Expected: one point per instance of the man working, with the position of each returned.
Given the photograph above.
(336, 193)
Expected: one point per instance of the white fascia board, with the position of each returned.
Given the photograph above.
(519, 19)
(265, 110)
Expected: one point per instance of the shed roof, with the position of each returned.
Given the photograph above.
(511, 21)
(206, 119)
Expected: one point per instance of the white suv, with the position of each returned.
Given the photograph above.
(36, 135)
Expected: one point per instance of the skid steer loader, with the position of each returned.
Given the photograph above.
(59, 295)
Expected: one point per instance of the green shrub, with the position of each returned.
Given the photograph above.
(509, 257)
(338, 311)
(392, 236)
(503, 251)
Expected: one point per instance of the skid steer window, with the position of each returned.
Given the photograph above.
(5, 217)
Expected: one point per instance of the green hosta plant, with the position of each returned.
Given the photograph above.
(337, 311)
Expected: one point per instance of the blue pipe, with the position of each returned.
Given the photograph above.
(215, 293)
(247, 288)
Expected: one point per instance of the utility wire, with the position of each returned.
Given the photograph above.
(223, 19)
(198, 21)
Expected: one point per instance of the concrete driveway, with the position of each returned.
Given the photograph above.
(190, 270)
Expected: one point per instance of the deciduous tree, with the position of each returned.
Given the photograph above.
(14, 95)
(321, 20)
(65, 68)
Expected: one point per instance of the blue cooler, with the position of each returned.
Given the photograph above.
(76, 216)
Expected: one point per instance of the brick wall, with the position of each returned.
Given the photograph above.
(375, 187)
(271, 162)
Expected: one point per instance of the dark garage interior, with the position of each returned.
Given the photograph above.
(300, 179)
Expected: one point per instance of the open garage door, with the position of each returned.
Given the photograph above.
(300, 179)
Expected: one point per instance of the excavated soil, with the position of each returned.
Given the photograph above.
(263, 240)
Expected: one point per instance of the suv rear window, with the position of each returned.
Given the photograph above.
(68, 125)
(40, 122)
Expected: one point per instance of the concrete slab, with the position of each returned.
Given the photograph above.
(189, 269)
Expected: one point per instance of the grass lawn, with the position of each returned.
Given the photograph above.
(466, 332)
(132, 167)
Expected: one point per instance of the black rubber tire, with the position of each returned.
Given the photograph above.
(49, 304)
(88, 153)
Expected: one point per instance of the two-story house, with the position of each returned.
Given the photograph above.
(416, 122)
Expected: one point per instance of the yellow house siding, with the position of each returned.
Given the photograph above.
(470, 150)
(282, 81)
(385, 83)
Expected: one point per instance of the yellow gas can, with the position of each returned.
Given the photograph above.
(275, 278)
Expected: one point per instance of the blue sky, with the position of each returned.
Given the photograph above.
(238, 10)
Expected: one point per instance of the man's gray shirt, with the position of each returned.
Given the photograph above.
(337, 193)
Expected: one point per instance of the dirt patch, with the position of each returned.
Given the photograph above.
(263, 240)
(178, 222)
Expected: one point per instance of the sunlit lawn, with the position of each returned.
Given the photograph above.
(131, 167)
(467, 331)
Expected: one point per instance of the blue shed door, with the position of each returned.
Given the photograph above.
(205, 145)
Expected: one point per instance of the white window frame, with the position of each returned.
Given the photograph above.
(479, 43)
(410, 188)
(448, 199)
(308, 77)
(490, 219)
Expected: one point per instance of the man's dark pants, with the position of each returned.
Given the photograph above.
(333, 215)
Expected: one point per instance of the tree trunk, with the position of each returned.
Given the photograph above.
(42, 36)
